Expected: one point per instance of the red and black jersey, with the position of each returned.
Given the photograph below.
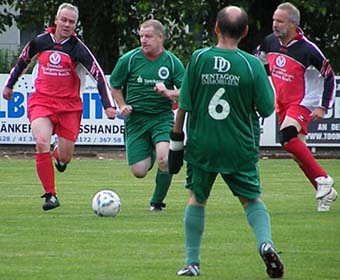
(300, 72)
(60, 67)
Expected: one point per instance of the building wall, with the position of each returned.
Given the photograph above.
(10, 40)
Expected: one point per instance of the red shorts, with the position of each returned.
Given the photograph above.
(297, 112)
(65, 119)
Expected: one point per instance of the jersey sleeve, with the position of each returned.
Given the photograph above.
(185, 97)
(29, 51)
(93, 68)
(178, 72)
(326, 72)
(119, 74)
(261, 53)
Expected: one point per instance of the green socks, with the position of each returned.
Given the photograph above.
(259, 220)
(163, 181)
(194, 220)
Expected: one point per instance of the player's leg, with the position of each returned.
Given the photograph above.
(163, 177)
(63, 152)
(141, 156)
(199, 184)
(139, 151)
(67, 128)
(259, 220)
(159, 129)
(246, 186)
(42, 131)
(290, 138)
(294, 142)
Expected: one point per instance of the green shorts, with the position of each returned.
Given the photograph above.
(143, 132)
(244, 183)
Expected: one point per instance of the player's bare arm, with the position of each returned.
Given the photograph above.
(124, 108)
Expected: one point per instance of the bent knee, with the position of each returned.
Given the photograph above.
(287, 134)
(163, 164)
(138, 172)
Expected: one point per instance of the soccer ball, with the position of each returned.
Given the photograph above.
(106, 203)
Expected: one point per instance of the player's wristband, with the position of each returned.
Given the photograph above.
(176, 141)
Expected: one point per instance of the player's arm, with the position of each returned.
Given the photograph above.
(261, 53)
(327, 73)
(176, 146)
(93, 68)
(124, 108)
(118, 82)
(179, 121)
(171, 94)
(19, 68)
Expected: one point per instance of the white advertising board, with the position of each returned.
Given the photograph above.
(96, 129)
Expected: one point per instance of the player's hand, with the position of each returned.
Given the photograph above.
(126, 110)
(7, 93)
(318, 114)
(176, 152)
(161, 89)
(111, 113)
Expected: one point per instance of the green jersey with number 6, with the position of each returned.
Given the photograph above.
(224, 92)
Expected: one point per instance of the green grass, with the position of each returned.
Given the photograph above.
(70, 242)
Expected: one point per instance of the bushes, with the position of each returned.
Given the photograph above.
(7, 60)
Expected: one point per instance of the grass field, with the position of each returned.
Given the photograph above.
(70, 242)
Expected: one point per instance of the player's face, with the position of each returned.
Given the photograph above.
(282, 27)
(151, 42)
(65, 23)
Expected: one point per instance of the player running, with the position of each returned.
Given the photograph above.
(55, 107)
(305, 89)
(145, 83)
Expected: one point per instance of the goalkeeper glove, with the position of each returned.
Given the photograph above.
(176, 152)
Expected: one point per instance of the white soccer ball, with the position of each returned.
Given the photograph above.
(106, 203)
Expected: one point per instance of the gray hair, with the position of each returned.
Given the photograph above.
(68, 6)
(293, 12)
(157, 26)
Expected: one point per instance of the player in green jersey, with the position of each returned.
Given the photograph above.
(145, 83)
(224, 91)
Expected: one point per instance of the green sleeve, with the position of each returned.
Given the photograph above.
(185, 98)
(178, 72)
(119, 75)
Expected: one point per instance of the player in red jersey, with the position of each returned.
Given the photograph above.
(55, 107)
(305, 88)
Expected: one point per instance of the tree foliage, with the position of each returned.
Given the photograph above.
(110, 28)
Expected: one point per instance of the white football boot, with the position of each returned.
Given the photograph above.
(326, 194)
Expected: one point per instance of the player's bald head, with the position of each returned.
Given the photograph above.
(232, 21)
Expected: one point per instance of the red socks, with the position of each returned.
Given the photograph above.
(305, 158)
(45, 171)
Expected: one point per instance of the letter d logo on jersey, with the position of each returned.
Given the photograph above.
(221, 65)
